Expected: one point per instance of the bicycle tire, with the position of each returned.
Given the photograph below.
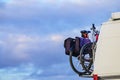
(80, 73)
(87, 68)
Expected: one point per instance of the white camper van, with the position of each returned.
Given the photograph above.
(107, 56)
(100, 59)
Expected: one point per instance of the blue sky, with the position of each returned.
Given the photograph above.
(32, 33)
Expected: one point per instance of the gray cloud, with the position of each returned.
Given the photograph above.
(21, 48)
(53, 15)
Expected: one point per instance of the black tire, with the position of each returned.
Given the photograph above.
(79, 71)
(86, 57)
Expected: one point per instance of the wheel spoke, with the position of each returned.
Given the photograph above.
(87, 58)
(83, 64)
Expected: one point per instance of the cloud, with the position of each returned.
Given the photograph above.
(56, 38)
(49, 12)
(21, 72)
(30, 72)
(50, 16)
(23, 48)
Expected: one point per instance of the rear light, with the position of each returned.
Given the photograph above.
(95, 77)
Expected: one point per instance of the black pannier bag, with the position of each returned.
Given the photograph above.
(74, 44)
(68, 43)
(77, 45)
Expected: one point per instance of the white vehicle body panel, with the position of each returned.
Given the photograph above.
(107, 56)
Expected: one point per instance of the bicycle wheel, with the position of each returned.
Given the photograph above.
(76, 64)
(86, 58)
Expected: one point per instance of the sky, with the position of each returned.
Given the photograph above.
(32, 34)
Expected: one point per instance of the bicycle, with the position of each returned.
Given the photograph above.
(85, 58)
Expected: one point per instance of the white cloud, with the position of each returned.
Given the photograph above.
(29, 8)
(57, 38)
(20, 46)
(21, 72)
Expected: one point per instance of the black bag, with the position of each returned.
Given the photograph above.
(68, 43)
(77, 45)
(73, 44)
